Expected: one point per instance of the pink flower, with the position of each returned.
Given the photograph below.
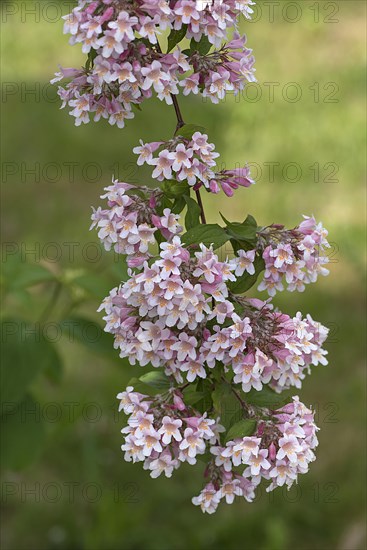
(289, 447)
(193, 442)
(170, 429)
(150, 441)
(244, 262)
(145, 152)
(154, 76)
(163, 464)
(259, 462)
(124, 27)
(182, 157)
(185, 347)
(163, 165)
(194, 369)
(248, 446)
(208, 499)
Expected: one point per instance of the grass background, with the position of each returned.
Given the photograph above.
(132, 511)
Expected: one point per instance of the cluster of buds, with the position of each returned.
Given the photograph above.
(125, 62)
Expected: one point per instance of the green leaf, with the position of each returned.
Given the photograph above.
(179, 205)
(266, 398)
(140, 387)
(173, 189)
(188, 130)
(156, 379)
(54, 369)
(220, 392)
(89, 333)
(22, 435)
(250, 220)
(175, 37)
(241, 429)
(210, 233)
(24, 353)
(152, 383)
(118, 268)
(245, 231)
(90, 60)
(19, 275)
(164, 202)
(246, 281)
(203, 46)
(159, 237)
(205, 403)
(206, 457)
(192, 218)
(95, 285)
(226, 405)
(23, 296)
(192, 395)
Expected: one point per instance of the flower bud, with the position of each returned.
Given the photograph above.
(272, 451)
(178, 402)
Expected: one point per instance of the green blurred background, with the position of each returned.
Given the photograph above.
(65, 484)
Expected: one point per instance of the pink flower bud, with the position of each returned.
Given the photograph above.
(227, 189)
(272, 451)
(307, 226)
(156, 221)
(136, 261)
(214, 187)
(152, 202)
(91, 8)
(260, 429)
(184, 255)
(107, 15)
(179, 404)
(192, 421)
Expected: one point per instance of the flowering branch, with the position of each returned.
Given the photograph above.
(220, 359)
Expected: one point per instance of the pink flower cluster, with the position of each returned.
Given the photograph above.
(180, 309)
(281, 448)
(129, 223)
(126, 64)
(296, 255)
(163, 432)
(191, 160)
(266, 347)
(166, 315)
(159, 315)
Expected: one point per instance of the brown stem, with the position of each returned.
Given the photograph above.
(200, 203)
(180, 123)
(244, 405)
(180, 120)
